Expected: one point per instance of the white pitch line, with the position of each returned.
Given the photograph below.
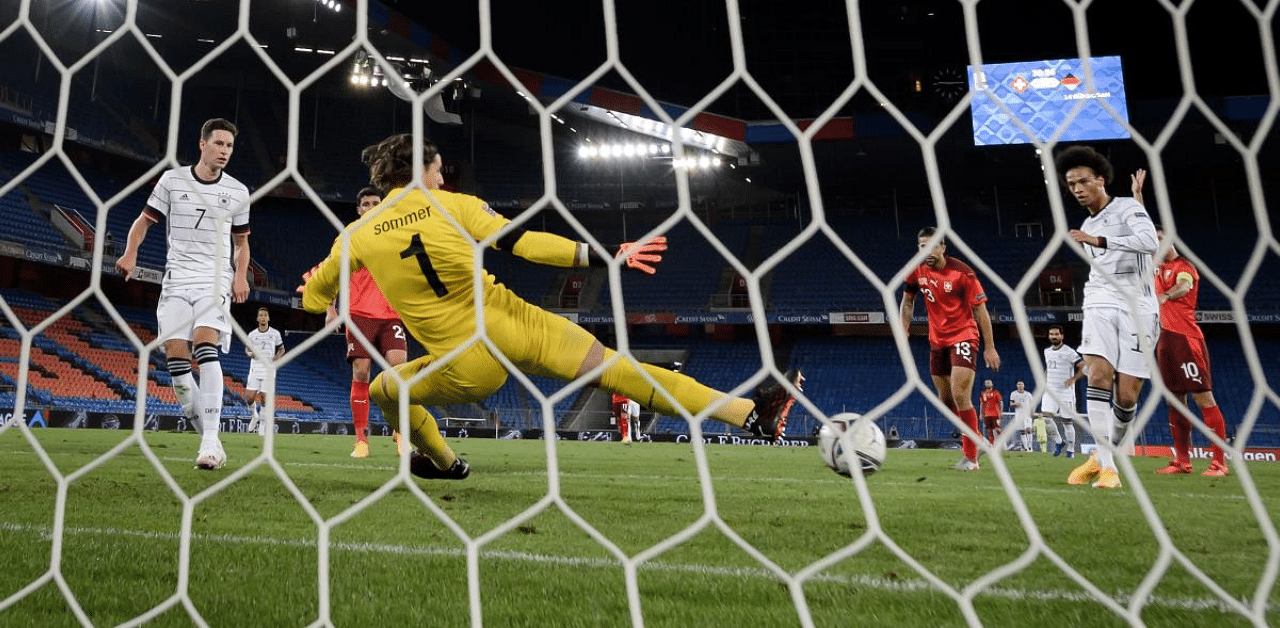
(896, 585)
(693, 479)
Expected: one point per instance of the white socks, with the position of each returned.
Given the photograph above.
(184, 387)
(1101, 422)
(211, 387)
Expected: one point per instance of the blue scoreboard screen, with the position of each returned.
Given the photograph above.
(1041, 94)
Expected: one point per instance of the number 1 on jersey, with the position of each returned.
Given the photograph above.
(418, 252)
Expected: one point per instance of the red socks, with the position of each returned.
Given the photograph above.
(1214, 421)
(360, 409)
(970, 418)
(1180, 427)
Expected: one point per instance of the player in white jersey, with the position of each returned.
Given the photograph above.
(206, 212)
(1063, 367)
(633, 419)
(1121, 315)
(265, 346)
(1020, 400)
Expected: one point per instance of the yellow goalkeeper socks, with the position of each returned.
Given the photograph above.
(623, 377)
(423, 431)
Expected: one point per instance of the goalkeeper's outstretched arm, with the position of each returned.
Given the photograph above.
(321, 284)
(553, 250)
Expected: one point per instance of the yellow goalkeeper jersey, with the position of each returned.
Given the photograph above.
(424, 265)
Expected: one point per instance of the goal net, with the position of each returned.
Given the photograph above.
(758, 538)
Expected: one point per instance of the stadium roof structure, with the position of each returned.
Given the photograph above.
(916, 52)
(680, 52)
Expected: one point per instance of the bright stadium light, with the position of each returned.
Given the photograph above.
(584, 152)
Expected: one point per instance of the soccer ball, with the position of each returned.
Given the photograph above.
(863, 435)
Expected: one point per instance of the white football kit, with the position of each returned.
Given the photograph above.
(199, 218)
(263, 344)
(1059, 366)
(1022, 411)
(1119, 270)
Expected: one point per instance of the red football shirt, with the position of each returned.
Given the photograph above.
(1179, 315)
(367, 300)
(991, 401)
(619, 405)
(950, 295)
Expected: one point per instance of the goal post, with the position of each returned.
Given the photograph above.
(872, 525)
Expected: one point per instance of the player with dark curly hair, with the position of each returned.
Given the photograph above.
(419, 247)
(1119, 240)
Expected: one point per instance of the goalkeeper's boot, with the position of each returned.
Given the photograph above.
(1174, 467)
(772, 405)
(211, 456)
(399, 443)
(1086, 472)
(423, 467)
(1057, 449)
(361, 450)
(1107, 478)
(1216, 470)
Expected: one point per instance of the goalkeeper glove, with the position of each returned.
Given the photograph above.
(638, 254)
(305, 278)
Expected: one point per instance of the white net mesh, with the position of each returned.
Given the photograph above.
(31, 20)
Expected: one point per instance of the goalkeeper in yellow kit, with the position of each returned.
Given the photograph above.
(424, 265)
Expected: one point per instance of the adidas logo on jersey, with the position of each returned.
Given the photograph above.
(184, 197)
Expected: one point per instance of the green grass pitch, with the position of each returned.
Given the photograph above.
(549, 545)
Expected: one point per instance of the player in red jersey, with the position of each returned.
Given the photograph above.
(622, 414)
(956, 306)
(380, 325)
(1184, 360)
(992, 404)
